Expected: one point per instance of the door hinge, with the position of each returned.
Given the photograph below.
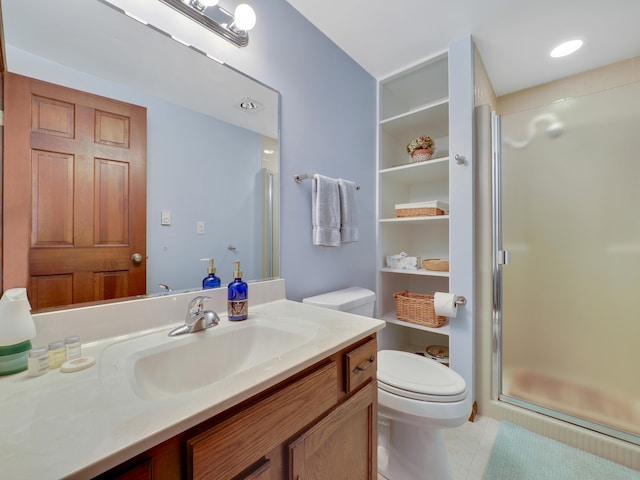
(503, 257)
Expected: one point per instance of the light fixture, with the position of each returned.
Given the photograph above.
(566, 48)
(201, 5)
(244, 18)
(249, 104)
(210, 15)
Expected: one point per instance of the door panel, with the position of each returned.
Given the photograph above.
(52, 197)
(75, 194)
(111, 221)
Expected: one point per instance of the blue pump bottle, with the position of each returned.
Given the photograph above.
(237, 296)
(210, 281)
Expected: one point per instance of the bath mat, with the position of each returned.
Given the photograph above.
(519, 454)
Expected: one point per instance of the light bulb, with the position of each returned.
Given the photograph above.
(566, 48)
(244, 18)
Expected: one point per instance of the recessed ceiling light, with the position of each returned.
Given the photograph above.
(566, 48)
(249, 104)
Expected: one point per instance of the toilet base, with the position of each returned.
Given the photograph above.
(406, 452)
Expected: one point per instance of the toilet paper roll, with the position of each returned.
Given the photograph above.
(445, 304)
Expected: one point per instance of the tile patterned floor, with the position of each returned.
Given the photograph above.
(469, 448)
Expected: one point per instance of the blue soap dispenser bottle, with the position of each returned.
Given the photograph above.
(210, 281)
(237, 296)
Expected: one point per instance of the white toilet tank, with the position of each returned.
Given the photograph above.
(356, 300)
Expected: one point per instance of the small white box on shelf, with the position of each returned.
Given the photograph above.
(403, 261)
(433, 207)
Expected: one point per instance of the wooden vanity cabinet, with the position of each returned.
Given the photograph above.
(318, 424)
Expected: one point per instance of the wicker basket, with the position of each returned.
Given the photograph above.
(436, 264)
(422, 209)
(418, 212)
(417, 308)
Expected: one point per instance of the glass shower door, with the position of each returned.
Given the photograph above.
(569, 205)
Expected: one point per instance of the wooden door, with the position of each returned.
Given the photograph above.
(343, 445)
(74, 194)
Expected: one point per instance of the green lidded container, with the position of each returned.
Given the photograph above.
(14, 358)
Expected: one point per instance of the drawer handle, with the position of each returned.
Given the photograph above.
(364, 366)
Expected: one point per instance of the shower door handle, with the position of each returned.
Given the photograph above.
(504, 257)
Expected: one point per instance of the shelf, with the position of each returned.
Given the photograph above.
(412, 348)
(419, 172)
(432, 218)
(419, 271)
(418, 85)
(412, 103)
(432, 117)
(391, 318)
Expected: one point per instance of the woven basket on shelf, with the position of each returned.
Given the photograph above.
(417, 308)
(419, 212)
(436, 264)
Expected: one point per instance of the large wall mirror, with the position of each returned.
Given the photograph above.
(211, 165)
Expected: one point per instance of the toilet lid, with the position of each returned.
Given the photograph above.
(418, 377)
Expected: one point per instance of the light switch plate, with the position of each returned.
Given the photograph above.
(165, 217)
(200, 228)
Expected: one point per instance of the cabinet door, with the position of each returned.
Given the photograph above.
(342, 446)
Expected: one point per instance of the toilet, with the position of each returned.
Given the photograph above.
(417, 398)
(353, 300)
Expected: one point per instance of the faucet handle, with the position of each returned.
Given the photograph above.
(198, 303)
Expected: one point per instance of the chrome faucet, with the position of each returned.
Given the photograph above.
(197, 318)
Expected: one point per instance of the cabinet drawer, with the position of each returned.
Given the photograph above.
(225, 450)
(360, 365)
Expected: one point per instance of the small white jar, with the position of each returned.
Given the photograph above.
(57, 354)
(38, 361)
(73, 347)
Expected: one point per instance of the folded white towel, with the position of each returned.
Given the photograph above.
(325, 211)
(348, 211)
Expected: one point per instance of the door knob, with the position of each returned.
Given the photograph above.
(136, 258)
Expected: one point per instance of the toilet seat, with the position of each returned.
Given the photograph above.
(419, 378)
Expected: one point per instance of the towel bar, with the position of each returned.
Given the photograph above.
(299, 177)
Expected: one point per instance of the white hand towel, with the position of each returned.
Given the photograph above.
(325, 211)
(348, 211)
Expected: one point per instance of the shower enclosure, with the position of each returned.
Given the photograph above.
(566, 209)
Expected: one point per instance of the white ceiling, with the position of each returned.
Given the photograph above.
(513, 37)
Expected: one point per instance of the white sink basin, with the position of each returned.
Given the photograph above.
(158, 366)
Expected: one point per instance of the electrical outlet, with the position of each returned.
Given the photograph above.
(200, 228)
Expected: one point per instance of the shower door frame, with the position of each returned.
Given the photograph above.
(500, 258)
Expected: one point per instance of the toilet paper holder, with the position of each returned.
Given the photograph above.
(461, 301)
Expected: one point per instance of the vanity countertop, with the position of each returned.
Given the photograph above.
(80, 424)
